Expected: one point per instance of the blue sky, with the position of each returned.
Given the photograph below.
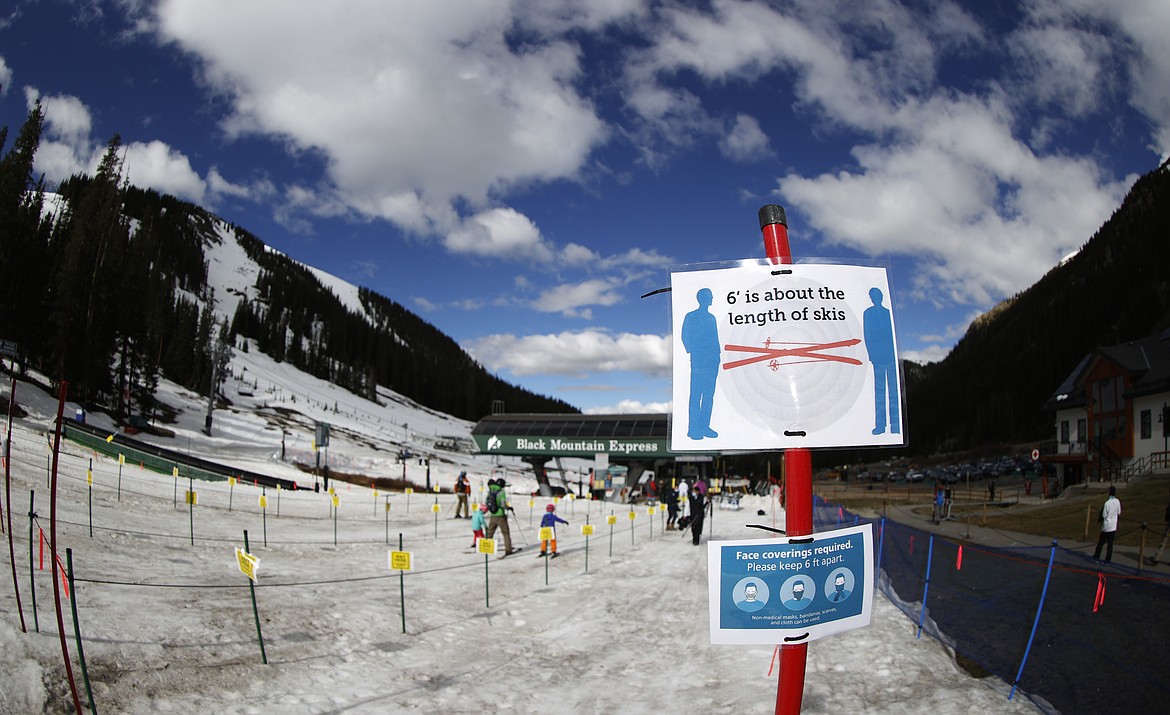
(519, 173)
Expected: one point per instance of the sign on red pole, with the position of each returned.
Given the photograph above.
(775, 355)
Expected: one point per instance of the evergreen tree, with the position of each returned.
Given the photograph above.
(24, 246)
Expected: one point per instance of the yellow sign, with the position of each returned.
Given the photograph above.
(410, 490)
(545, 533)
(400, 560)
(248, 563)
(332, 492)
(231, 481)
(587, 530)
(263, 502)
(110, 439)
(121, 459)
(435, 507)
(531, 503)
(556, 500)
(485, 546)
(633, 515)
(375, 495)
(387, 507)
(611, 520)
(651, 511)
(336, 500)
(436, 489)
(570, 496)
(89, 477)
(191, 497)
(277, 487)
(175, 472)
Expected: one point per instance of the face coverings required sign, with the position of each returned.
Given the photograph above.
(790, 590)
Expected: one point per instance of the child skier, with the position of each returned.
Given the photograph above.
(550, 520)
(478, 523)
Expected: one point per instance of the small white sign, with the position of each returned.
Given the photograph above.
(780, 356)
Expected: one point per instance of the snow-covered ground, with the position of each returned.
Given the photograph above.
(168, 627)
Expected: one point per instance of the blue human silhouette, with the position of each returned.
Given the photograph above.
(700, 337)
(879, 344)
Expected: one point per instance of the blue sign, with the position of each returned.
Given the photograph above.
(791, 590)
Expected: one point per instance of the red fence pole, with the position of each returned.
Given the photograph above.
(798, 503)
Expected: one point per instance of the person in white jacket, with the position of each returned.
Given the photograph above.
(684, 501)
(1110, 515)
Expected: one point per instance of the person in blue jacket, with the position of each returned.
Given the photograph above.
(550, 520)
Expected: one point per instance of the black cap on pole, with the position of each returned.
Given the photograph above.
(772, 214)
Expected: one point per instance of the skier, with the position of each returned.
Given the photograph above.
(550, 520)
(478, 523)
(698, 504)
(671, 508)
(462, 492)
(499, 515)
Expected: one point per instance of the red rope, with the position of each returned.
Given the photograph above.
(1100, 597)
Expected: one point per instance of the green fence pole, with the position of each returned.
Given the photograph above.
(77, 631)
(191, 506)
(255, 610)
(402, 586)
(611, 536)
(587, 545)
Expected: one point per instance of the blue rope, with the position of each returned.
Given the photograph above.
(1036, 622)
(926, 585)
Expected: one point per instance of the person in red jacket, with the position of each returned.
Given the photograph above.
(462, 491)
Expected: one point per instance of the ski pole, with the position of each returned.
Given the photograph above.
(518, 528)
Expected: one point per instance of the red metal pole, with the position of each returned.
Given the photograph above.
(798, 489)
(53, 548)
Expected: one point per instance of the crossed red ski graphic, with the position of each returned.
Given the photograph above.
(810, 352)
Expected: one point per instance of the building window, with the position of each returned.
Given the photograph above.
(1147, 424)
(1082, 430)
(1107, 394)
(1064, 431)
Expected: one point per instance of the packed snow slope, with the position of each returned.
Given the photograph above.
(618, 623)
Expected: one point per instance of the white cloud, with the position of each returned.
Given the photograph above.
(981, 214)
(1064, 66)
(5, 74)
(158, 166)
(67, 119)
(574, 254)
(570, 298)
(932, 353)
(1146, 23)
(635, 258)
(574, 353)
(631, 407)
(500, 233)
(941, 175)
(415, 108)
(745, 141)
(423, 304)
(218, 186)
